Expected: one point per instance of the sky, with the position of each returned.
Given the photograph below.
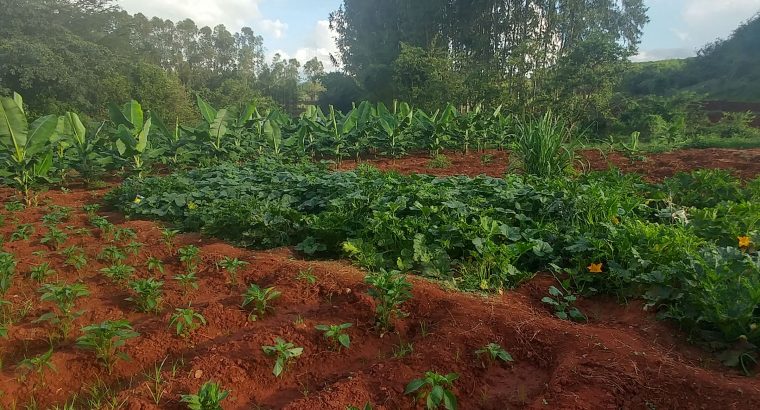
(300, 28)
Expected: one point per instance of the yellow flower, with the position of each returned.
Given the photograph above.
(595, 268)
(744, 241)
(138, 199)
(615, 220)
(484, 284)
(191, 205)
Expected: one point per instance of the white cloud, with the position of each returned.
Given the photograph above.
(320, 44)
(682, 35)
(662, 54)
(710, 19)
(234, 14)
(274, 27)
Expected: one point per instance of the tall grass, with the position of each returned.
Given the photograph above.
(543, 147)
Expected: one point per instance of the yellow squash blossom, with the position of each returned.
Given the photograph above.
(191, 205)
(744, 241)
(137, 200)
(595, 268)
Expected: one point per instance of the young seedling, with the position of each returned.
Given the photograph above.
(120, 234)
(168, 237)
(107, 339)
(186, 321)
(155, 382)
(22, 232)
(492, 353)
(118, 273)
(434, 389)
(190, 257)
(41, 272)
(90, 209)
(563, 305)
(284, 352)
(112, 254)
(259, 300)
(147, 294)
(134, 247)
(336, 334)
(7, 272)
(188, 281)
(231, 265)
(390, 289)
(56, 215)
(74, 257)
(208, 397)
(102, 223)
(155, 264)
(54, 238)
(14, 206)
(38, 364)
(307, 276)
(64, 297)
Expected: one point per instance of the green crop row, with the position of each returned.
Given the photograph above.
(692, 257)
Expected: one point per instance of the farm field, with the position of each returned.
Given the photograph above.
(620, 356)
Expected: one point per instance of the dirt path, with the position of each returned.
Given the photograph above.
(744, 163)
(622, 358)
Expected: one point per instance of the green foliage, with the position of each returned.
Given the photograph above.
(434, 389)
(148, 294)
(186, 321)
(390, 290)
(64, 297)
(284, 352)
(26, 146)
(190, 257)
(7, 272)
(259, 300)
(188, 281)
(22, 232)
(231, 265)
(563, 305)
(41, 272)
(118, 273)
(54, 237)
(336, 334)
(39, 364)
(107, 340)
(492, 353)
(540, 147)
(209, 397)
(155, 264)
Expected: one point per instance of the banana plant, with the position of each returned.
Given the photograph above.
(217, 122)
(27, 146)
(86, 160)
(132, 133)
(393, 128)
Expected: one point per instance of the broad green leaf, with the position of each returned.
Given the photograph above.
(208, 112)
(118, 117)
(13, 126)
(142, 137)
(41, 132)
(414, 385)
(19, 101)
(134, 113)
(77, 129)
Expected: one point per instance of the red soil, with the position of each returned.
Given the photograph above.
(622, 358)
(745, 163)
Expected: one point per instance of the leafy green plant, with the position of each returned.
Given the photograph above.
(148, 294)
(26, 146)
(439, 161)
(259, 300)
(132, 133)
(64, 297)
(390, 290)
(208, 397)
(336, 334)
(7, 272)
(155, 264)
(190, 257)
(188, 281)
(168, 236)
(543, 146)
(39, 364)
(107, 339)
(112, 253)
(186, 321)
(134, 247)
(493, 352)
(307, 276)
(120, 234)
(22, 232)
(74, 257)
(563, 305)
(232, 265)
(118, 272)
(56, 214)
(54, 237)
(434, 389)
(41, 272)
(284, 352)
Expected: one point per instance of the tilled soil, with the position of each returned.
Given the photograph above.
(745, 163)
(622, 358)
